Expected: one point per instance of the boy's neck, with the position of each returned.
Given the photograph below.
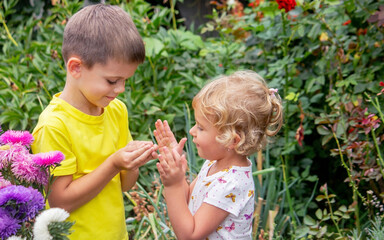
(77, 103)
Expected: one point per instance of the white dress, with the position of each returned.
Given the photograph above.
(231, 190)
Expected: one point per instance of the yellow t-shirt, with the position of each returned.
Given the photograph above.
(86, 141)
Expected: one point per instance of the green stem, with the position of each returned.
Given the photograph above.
(154, 72)
(7, 30)
(285, 52)
(286, 129)
(155, 206)
(331, 212)
(173, 14)
(380, 161)
(289, 199)
(352, 183)
(376, 104)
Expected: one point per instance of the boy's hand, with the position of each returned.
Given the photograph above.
(133, 145)
(171, 166)
(134, 155)
(165, 137)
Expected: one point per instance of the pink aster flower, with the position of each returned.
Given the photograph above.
(4, 183)
(48, 159)
(16, 137)
(25, 170)
(7, 156)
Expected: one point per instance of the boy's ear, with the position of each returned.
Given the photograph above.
(74, 66)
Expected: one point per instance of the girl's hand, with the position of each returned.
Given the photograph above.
(165, 137)
(172, 167)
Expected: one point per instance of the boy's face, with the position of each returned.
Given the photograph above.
(101, 84)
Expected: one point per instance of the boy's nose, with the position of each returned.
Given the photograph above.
(120, 87)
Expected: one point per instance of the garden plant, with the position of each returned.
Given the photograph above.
(320, 178)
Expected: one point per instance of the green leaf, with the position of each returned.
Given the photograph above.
(343, 208)
(326, 139)
(153, 47)
(309, 221)
(292, 96)
(322, 130)
(319, 214)
(320, 197)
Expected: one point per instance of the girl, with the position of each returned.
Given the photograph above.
(234, 114)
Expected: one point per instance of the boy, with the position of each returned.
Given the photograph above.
(101, 49)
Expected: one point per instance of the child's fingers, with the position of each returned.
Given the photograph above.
(140, 156)
(177, 157)
(184, 162)
(167, 154)
(159, 128)
(168, 132)
(155, 155)
(181, 145)
(160, 169)
(164, 164)
(133, 145)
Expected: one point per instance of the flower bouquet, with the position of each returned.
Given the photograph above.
(24, 181)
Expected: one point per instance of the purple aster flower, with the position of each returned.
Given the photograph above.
(20, 202)
(16, 137)
(48, 159)
(8, 225)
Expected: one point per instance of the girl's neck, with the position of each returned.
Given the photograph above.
(229, 161)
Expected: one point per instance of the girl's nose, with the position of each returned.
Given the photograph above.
(192, 130)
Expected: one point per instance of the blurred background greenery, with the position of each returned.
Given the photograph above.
(320, 178)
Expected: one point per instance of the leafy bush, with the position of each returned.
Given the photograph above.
(324, 56)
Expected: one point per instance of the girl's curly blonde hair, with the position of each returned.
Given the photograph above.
(241, 104)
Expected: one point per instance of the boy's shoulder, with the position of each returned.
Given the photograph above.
(52, 115)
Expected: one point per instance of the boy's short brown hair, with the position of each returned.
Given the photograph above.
(100, 32)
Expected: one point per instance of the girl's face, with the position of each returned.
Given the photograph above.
(204, 136)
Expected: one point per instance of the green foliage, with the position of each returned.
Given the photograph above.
(31, 69)
(60, 230)
(324, 56)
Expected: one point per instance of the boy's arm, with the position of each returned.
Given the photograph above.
(128, 179)
(71, 194)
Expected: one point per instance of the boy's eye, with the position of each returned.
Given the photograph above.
(111, 82)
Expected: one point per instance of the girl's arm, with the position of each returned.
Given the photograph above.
(204, 222)
(71, 194)
(165, 138)
(207, 218)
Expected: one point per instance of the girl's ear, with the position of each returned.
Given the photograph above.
(74, 66)
(235, 141)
